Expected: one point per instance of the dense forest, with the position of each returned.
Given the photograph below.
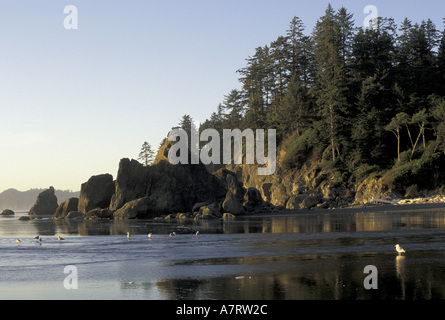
(358, 100)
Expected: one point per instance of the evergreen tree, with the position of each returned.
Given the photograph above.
(147, 155)
(329, 88)
(294, 114)
(301, 52)
(234, 106)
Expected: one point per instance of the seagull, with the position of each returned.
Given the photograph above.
(172, 234)
(37, 238)
(399, 249)
(128, 235)
(197, 234)
(150, 235)
(18, 240)
(60, 238)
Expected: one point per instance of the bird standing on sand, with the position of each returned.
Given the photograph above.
(399, 249)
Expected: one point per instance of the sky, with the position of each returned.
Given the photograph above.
(73, 102)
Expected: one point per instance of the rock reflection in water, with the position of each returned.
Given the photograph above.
(351, 221)
(292, 256)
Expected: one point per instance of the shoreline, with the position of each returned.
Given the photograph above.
(366, 208)
(389, 208)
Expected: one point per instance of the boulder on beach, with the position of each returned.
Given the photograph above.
(133, 209)
(46, 203)
(74, 215)
(7, 212)
(99, 214)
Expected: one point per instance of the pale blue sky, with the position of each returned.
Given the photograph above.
(74, 102)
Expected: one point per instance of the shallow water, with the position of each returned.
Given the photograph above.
(299, 256)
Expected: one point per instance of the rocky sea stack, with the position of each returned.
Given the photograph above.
(46, 203)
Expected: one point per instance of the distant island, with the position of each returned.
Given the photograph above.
(21, 201)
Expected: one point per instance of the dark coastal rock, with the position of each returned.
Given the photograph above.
(311, 201)
(253, 197)
(168, 188)
(46, 203)
(198, 206)
(7, 212)
(233, 202)
(99, 214)
(131, 183)
(74, 215)
(295, 201)
(133, 209)
(210, 211)
(66, 207)
(228, 217)
(96, 193)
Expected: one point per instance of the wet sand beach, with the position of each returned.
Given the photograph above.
(318, 254)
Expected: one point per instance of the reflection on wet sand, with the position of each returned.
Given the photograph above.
(292, 256)
(310, 281)
(280, 224)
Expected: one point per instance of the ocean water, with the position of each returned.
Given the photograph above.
(310, 255)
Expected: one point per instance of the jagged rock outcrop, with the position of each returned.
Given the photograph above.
(46, 203)
(96, 193)
(167, 188)
(233, 202)
(66, 207)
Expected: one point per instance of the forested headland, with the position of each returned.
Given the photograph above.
(359, 102)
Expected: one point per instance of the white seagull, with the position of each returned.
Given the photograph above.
(18, 240)
(150, 235)
(197, 234)
(128, 235)
(60, 238)
(172, 234)
(399, 249)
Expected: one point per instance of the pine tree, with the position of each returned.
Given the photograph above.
(234, 108)
(147, 155)
(329, 89)
(294, 114)
(301, 52)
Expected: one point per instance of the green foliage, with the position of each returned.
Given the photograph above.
(365, 100)
(408, 172)
(146, 155)
(299, 148)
